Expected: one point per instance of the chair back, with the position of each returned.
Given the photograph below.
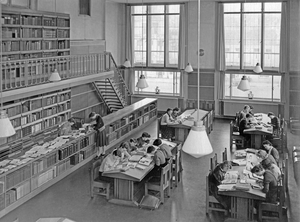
(213, 162)
(237, 119)
(165, 176)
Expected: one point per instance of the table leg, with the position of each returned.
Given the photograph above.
(123, 192)
(256, 141)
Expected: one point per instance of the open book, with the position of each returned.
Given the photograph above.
(231, 177)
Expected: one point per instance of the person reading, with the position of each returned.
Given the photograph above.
(109, 163)
(275, 122)
(163, 147)
(100, 132)
(244, 124)
(265, 157)
(123, 153)
(215, 178)
(143, 140)
(271, 150)
(166, 120)
(175, 113)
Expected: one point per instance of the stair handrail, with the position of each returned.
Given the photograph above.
(100, 95)
(118, 93)
(121, 79)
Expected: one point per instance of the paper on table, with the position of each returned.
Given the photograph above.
(241, 162)
(225, 187)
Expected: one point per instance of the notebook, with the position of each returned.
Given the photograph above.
(135, 158)
(145, 161)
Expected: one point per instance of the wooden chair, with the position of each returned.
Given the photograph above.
(224, 155)
(236, 138)
(176, 166)
(98, 186)
(160, 184)
(273, 211)
(213, 162)
(212, 204)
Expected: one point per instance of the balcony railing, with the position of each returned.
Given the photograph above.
(29, 72)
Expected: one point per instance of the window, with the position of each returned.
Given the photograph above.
(18, 3)
(85, 7)
(167, 81)
(252, 35)
(155, 35)
(263, 87)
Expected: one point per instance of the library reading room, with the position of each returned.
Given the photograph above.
(150, 110)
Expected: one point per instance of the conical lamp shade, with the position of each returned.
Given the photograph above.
(257, 68)
(127, 63)
(142, 83)
(244, 84)
(197, 143)
(6, 128)
(55, 77)
(188, 68)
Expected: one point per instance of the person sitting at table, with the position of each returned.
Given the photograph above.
(268, 165)
(275, 122)
(175, 113)
(122, 152)
(143, 140)
(271, 150)
(130, 145)
(244, 112)
(269, 182)
(109, 163)
(251, 110)
(244, 124)
(166, 131)
(215, 178)
(164, 147)
(265, 157)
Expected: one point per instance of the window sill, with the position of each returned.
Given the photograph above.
(152, 95)
(251, 101)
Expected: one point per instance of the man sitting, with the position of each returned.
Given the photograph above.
(275, 122)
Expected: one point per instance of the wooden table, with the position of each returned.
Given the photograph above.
(125, 189)
(257, 133)
(242, 202)
(188, 118)
(128, 188)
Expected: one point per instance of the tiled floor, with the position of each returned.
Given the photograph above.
(70, 197)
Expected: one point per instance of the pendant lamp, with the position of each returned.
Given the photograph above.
(257, 68)
(6, 128)
(55, 77)
(244, 84)
(127, 64)
(197, 143)
(188, 68)
(142, 83)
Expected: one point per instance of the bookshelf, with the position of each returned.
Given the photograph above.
(31, 116)
(42, 159)
(34, 34)
(129, 120)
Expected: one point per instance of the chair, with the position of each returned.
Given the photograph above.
(158, 127)
(212, 204)
(213, 162)
(160, 184)
(224, 155)
(98, 186)
(176, 166)
(273, 211)
(236, 138)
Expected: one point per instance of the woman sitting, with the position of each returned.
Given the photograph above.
(269, 183)
(215, 178)
(143, 140)
(166, 131)
(265, 157)
(271, 150)
(123, 153)
(109, 163)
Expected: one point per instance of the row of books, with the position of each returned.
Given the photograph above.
(63, 22)
(49, 33)
(63, 34)
(67, 151)
(43, 178)
(63, 97)
(31, 33)
(10, 19)
(44, 163)
(30, 20)
(18, 176)
(63, 166)
(10, 33)
(22, 189)
(49, 22)
(10, 46)
(30, 45)
(49, 44)
(63, 44)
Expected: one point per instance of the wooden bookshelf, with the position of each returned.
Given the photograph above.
(21, 182)
(34, 34)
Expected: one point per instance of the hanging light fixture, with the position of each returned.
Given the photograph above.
(244, 84)
(257, 68)
(6, 128)
(188, 68)
(142, 83)
(127, 64)
(55, 77)
(197, 143)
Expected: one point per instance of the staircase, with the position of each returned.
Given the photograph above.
(110, 94)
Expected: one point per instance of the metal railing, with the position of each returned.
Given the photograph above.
(29, 72)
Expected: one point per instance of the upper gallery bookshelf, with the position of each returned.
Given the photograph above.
(34, 34)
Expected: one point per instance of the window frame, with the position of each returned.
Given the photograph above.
(166, 64)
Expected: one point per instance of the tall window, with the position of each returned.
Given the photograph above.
(252, 35)
(155, 35)
(84, 7)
